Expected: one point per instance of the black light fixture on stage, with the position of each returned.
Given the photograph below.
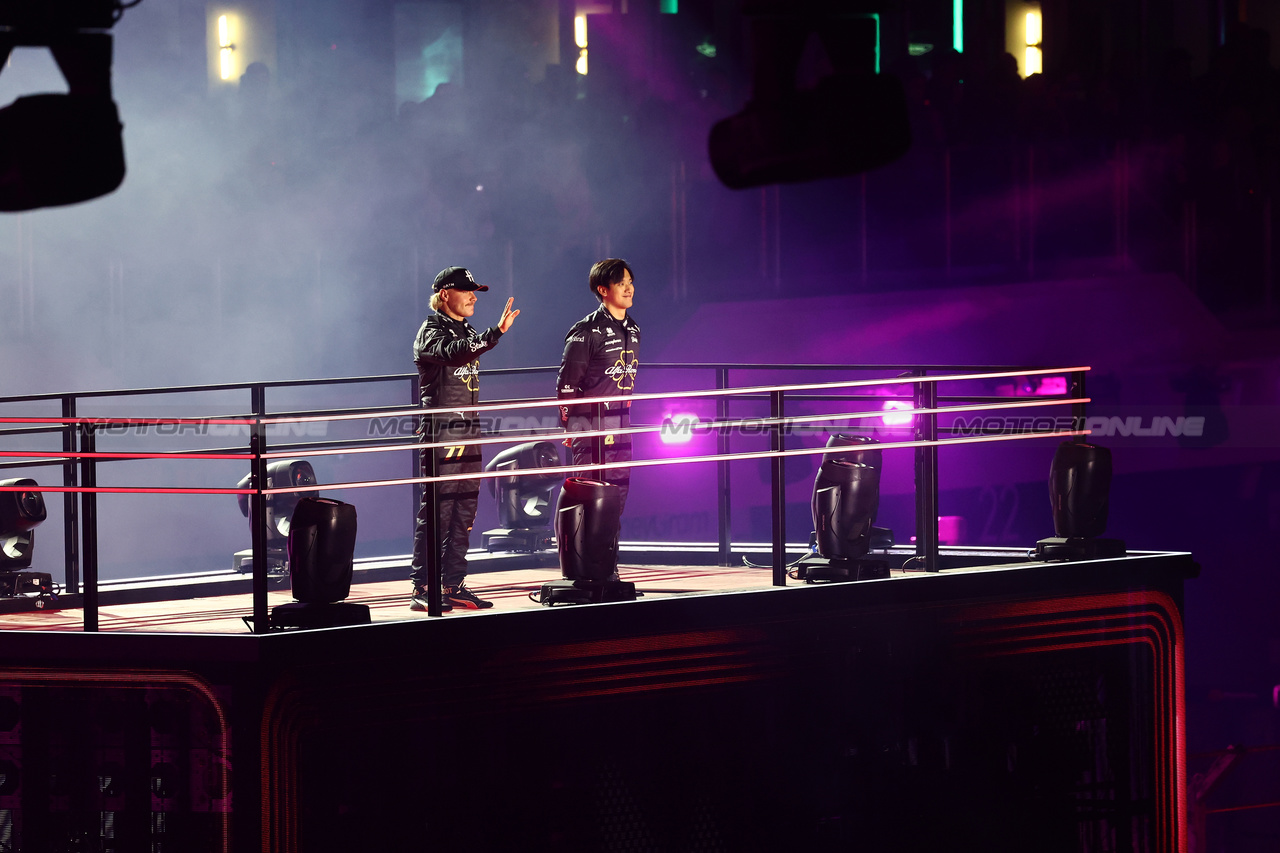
(588, 522)
(1079, 494)
(524, 503)
(280, 507)
(322, 543)
(846, 499)
(61, 148)
(20, 513)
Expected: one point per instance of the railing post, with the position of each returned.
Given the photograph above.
(1078, 413)
(431, 468)
(926, 397)
(778, 491)
(597, 442)
(89, 502)
(70, 502)
(415, 494)
(722, 471)
(258, 511)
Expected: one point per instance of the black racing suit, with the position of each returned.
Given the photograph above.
(447, 352)
(601, 358)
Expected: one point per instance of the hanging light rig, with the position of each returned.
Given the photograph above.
(62, 148)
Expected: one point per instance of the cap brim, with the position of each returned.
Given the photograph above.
(462, 287)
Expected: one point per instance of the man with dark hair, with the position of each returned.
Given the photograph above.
(447, 352)
(601, 357)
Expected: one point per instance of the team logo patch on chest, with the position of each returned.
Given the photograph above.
(469, 375)
(623, 371)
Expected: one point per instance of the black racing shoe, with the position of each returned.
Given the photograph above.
(460, 596)
(419, 600)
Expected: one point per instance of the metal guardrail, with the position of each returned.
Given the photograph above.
(79, 457)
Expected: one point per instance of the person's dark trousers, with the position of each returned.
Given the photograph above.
(458, 500)
(617, 448)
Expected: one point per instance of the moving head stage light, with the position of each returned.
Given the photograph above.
(588, 522)
(524, 506)
(322, 544)
(20, 514)
(280, 507)
(1079, 493)
(846, 499)
(61, 149)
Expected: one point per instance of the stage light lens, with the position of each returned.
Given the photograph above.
(1051, 386)
(897, 419)
(30, 504)
(524, 501)
(678, 429)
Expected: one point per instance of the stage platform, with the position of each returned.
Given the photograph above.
(388, 600)
(998, 704)
(220, 603)
(981, 701)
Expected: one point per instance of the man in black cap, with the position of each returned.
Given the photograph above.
(447, 351)
(601, 357)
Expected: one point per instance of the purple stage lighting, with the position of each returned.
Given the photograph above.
(896, 419)
(678, 429)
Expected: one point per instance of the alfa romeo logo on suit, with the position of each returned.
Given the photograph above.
(623, 372)
(470, 375)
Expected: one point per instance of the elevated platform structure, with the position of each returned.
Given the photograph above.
(972, 699)
(1007, 706)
